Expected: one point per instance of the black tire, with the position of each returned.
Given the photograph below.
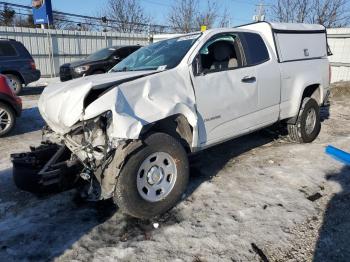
(10, 115)
(18, 85)
(127, 196)
(298, 132)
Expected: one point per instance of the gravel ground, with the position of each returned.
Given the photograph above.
(256, 198)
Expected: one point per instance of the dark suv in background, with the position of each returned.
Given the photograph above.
(99, 62)
(17, 64)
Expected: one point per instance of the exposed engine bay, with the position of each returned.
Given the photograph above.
(90, 145)
(83, 158)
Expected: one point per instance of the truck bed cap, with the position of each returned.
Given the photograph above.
(296, 27)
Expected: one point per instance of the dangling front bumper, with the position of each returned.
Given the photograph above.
(46, 168)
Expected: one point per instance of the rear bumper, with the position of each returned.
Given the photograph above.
(31, 76)
(45, 168)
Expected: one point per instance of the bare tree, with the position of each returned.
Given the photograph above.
(224, 19)
(25, 21)
(290, 11)
(128, 15)
(330, 13)
(208, 17)
(7, 16)
(185, 17)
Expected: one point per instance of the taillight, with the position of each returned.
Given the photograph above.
(32, 65)
(6, 86)
(330, 74)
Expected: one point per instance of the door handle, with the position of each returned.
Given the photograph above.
(249, 79)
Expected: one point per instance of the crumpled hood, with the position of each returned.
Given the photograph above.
(62, 104)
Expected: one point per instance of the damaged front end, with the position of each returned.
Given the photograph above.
(89, 142)
(85, 158)
(47, 168)
(98, 122)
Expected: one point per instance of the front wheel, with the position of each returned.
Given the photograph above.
(153, 179)
(16, 83)
(308, 125)
(7, 119)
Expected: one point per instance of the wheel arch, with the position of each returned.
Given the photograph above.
(311, 90)
(15, 73)
(176, 125)
(6, 101)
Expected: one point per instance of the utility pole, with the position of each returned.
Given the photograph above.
(260, 12)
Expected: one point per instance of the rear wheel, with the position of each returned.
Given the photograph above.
(16, 83)
(308, 125)
(7, 119)
(153, 179)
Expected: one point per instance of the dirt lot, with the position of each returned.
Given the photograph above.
(257, 198)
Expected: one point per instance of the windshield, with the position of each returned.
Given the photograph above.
(101, 54)
(163, 55)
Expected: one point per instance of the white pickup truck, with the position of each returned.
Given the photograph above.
(131, 130)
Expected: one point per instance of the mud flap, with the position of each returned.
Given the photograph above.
(45, 169)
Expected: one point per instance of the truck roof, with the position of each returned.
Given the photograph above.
(273, 26)
(288, 26)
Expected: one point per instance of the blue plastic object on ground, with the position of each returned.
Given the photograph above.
(338, 154)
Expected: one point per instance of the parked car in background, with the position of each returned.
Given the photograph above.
(17, 64)
(99, 62)
(10, 106)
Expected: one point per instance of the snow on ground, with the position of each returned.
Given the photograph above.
(42, 82)
(254, 198)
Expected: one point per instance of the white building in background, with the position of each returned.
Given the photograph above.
(339, 43)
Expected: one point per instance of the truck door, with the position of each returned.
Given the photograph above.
(226, 90)
(268, 77)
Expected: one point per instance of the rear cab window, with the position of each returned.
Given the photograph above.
(254, 48)
(7, 50)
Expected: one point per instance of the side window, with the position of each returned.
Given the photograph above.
(6, 49)
(220, 53)
(123, 52)
(255, 49)
(134, 48)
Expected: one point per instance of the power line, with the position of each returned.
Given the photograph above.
(92, 18)
(156, 3)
